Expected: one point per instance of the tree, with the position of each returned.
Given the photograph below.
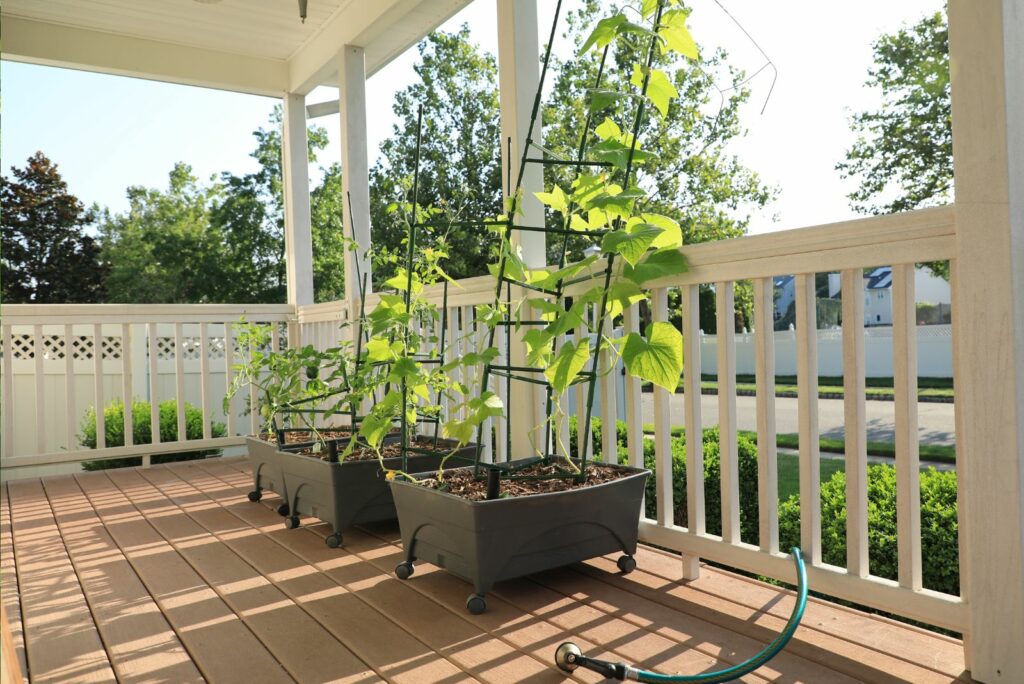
(223, 242)
(164, 249)
(903, 155)
(47, 257)
(460, 159)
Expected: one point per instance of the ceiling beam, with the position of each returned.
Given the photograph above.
(39, 42)
(384, 28)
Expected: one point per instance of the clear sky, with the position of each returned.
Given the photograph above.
(109, 132)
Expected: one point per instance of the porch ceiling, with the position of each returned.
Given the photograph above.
(254, 46)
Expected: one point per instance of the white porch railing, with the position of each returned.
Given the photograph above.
(60, 359)
(45, 393)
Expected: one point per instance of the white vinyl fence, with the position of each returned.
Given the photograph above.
(934, 352)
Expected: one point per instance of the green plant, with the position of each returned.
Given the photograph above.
(611, 245)
(939, 526)
(113, 417)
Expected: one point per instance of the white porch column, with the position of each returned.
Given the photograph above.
(987, 71)
(355, 167)
(298, 239)
(518, 76)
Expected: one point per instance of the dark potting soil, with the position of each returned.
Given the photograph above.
(305, 436)
(461, 482)
(391, 450)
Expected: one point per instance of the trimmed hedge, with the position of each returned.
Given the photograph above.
(113, 416)
(939, 526)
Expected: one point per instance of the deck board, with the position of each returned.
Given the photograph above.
(54, 609)
(9, 590)
(221, 646)
(138, 639)
(215, 585)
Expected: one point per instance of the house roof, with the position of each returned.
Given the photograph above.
(879, 279)
(253, 46)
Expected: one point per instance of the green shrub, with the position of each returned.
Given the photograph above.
(746, 456)
(113, 417)
(939, 528)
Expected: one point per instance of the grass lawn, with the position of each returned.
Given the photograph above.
(828, 386)
(789, 473)
(941, 453)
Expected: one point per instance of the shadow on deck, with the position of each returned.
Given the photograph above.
(170, 574)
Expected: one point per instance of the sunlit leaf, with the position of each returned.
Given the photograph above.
(658, 358)
(631, 243)
(567, 364)
(672, 234)
(664, 262)
(604, 33)
(675, 34)
(608, 130)
(660, 89)
(556, 199)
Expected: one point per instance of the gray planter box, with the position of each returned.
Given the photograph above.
(266, 471)
(341, 494)
(484, 542)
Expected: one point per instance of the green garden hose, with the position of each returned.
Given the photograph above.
(568, 656)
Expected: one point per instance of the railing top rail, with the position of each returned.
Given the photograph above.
(59, 314)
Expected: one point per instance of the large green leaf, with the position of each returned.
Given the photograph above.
(675, 34)
(567, 364)
(538, 347)
(604, 33)
(671, 236)
(632, 242)
(660, 88)
(600, 98)
(619, 204)
(658, 358)
(616, 153)
(556, 199)
(664, 262)
(608, 130)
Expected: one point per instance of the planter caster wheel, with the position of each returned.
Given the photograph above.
(476, 604)
(283, 510)
(292, 522)
(404, 570)
(627, 564)
(333, 541)
(255, 495)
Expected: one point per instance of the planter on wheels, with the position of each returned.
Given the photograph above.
(265, 459)
(484, 542)
(348, 493)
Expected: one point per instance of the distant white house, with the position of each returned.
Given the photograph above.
(877, 293)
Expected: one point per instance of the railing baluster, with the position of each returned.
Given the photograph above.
(254, 414)
(468, 345)
(154, 383)
(37, 356)
(97, 365)
(583, 449)
(609, 407)
(204, 375)
(663, 427)
(501, 433)
(634, 398)
(730, 482)
(179, 379)
(767, 458)
(692, 418)
(126, 383)
(908, 473)
(229, 361)
(807, 407)
(855, 419)
(8, 408)
(69, 388)
(454, 354)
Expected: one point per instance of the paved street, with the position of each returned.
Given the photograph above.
(935, 421)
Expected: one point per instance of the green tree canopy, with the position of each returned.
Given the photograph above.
(47, 257)
(903, 155)
(222, 242)
(460, 158)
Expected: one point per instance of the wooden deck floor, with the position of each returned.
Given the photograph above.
(170, 574)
